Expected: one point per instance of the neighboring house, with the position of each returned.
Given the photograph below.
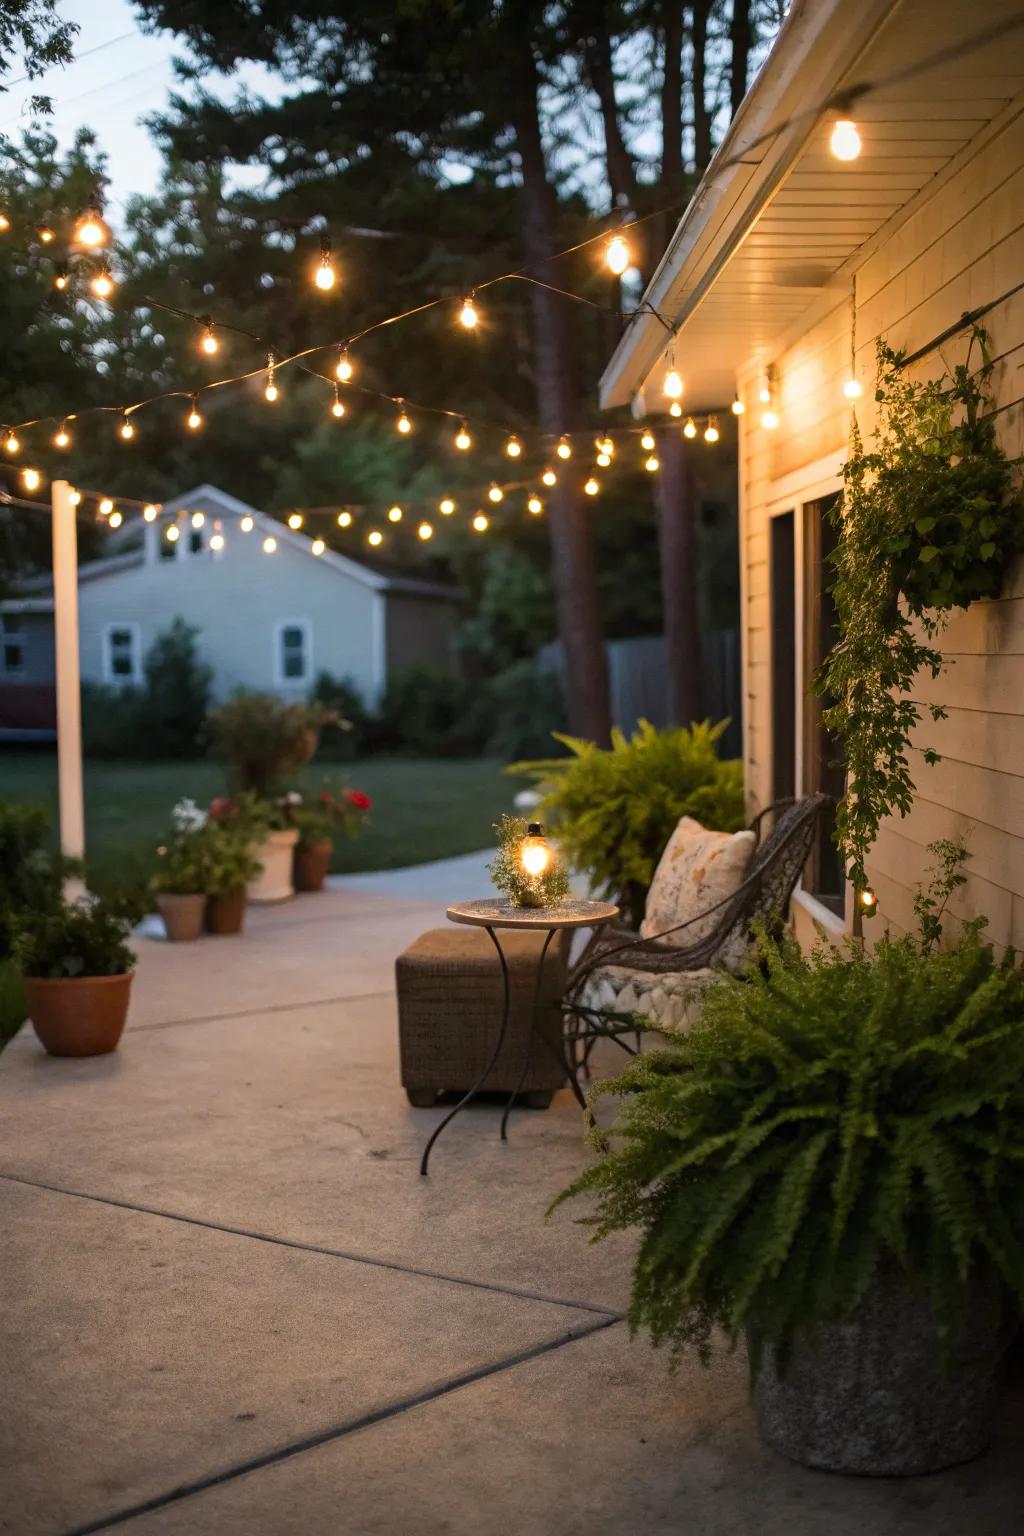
(781, 266)
(265, 621)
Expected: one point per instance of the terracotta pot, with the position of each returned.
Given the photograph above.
(225, 914)
(312, 861)
(274, 882)
(81, 1015)
(182, 915)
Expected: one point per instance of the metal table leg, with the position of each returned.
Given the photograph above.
(534, 1030)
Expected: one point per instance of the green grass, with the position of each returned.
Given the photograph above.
(423, 809)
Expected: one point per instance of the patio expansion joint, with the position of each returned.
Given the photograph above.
(609, 1314)
(341, 1431)
(254, 1013)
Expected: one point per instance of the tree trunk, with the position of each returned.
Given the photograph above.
(672, 100)
(677, 542)
(701, 115)
(586, 669)
(741, 38)
(619, 162)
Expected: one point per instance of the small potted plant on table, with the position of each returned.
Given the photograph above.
(233, 831)
(319, 821)
(77, 969)
(181, 879)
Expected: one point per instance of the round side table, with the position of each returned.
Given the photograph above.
(495, 914)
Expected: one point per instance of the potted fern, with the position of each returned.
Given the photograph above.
(829, 1163)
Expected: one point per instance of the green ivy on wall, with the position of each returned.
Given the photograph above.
(927, 522)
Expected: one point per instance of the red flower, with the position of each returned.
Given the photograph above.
(357, 800)
(222, 809)
(326, 798)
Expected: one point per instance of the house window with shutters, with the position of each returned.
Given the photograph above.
(122, 658)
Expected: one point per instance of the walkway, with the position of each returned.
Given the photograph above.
(229, 1304)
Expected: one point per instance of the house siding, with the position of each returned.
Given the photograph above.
(959, 248)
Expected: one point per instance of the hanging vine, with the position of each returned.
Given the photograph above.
(927, 522)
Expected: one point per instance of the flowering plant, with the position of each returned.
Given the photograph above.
(182, 870)
(331, 812)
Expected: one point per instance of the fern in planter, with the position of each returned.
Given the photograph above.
(928, 522)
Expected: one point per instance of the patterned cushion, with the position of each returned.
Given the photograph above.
(668, 1000)
(697, 870)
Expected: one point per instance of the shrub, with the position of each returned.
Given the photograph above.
(526, 709)
(30, 875)
(433, 712)
(353, 731)
(164, 718)
(262, 740)
(614, 811)
(87, 938)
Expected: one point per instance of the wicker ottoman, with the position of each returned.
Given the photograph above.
(449, 1013)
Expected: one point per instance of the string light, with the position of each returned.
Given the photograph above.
(403, 423)
(208, 342)
(535, 505)
(463, 441)
(852, 389)
(711, 431)
(605, 445)
(11, 443)
(446, 507)
(603, 460)
(564, 449)
(295, 520)
(425, 531)
(513, 447)
(549, 477)
(325, 275)
(647, 441)
(102, 284)
(198, 519)
(92, 230)
(690, 429)
(317, 547)
(269, 544)
(769, 420)
(737, 407)
(60, 279)
(149, 512)
(270, 391)
(31, 479)
(173, 533)
(45, 233)
(675, 409)
(194, 420)
(616, 255)
(673, 384)
(591, 486)
(468, 315)
(395, 515)
(344, 519)
(375, 537)
(344, 370)
(481, 523)
(74, 497)
(115, 520)
(217, 541)
(247, 523)
(5, 223)
(127, 431)
(652, 465)
(867, 900)
(62, 437)
(496, 494)
(845, 142)
(337, 408)
(106, 507)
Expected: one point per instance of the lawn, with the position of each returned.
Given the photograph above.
(423, 809)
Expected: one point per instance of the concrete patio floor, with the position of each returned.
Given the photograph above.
(229, 1303)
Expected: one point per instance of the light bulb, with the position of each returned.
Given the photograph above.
(395, 515)
(208, 342)
(446, 507)
(845, 141)
(605, 445)
(102, 284)
(45, 233)
(480, 523)
(535, 853)
(325, 275)
(770, 420)
(375, 537)
(127, 430)
(867, 901)
(5, 223)
(591, 487)
(403, 424)
(463, 439)
(564, 449)
(344, 369)
(31, 479)
(535, 505)
(675, 409)
(74, 497)
(549, 477)
(91, 229)
(217, 541)
(198, 519)
(468, 315)
(651, 465)
(513, 448)
(269, 544)
(270, 392)
(496, 494)
(295, 520)
(344, 519)
(616, 255)
(647, 441)
(60, 281)
(246, 524)
(173, 533)
(852, 389)
(61, 438)
(317, 547)
(711, 431)
(603, 460)
(673, 385)
(106, 507)
(115, 520)
(425, 531)
(337, 409)
(149, 512)
(690, 430)
(764, 394)
(737, 407)
(193, 420)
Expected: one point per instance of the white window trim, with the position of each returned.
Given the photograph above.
(109, 675)
(20, 638)
(280, 681)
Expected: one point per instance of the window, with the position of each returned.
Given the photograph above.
(293, 659)
(12, 644)
(121, 659)
(783, 641)
(196, 542)
(823, 768)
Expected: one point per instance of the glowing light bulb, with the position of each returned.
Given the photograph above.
(737, 407)
(652, 465)
(295, 520)
(91, 230)
(616, 255)
(11, 443)
(127, 431)
(496, 494)
(845, 141)
(564, 449)
(481, 523)
(535, 853)
(62, 437)
(344, 519)
(149, 512)
(375, 537)
(770, 420)
(591, 487)
(45, 233)
(344, 370)
(194, 420)
(535, 505)
(269, 544)
(246, 523)
(395, 515)
(673, 385)
(31, 479)
(468, 315)
(173, 533)
(711, 433)
(425, 531)
(106, 507)
(337, 408)
(5, 223)
(102, 284)
(198, 519)
(217, 541)
(463, 441)
(867, 900)
(317, 547)
(603, 460)
(647, 441)
(403, 424)
(60, 281)
(115, 520)
(764, 394)
(852, 389)
(675, 409)
(690, 429)
(513, 448)
(271, 391)
(325, 275)
(74, 497)
(208, 342)
(446, 507)
(549, 477)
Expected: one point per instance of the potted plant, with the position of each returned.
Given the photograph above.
(233, 830)
(77, 969)
(829, 1162)
(319, 821)
(180, 882)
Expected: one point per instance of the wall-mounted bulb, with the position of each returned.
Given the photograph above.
(845, 141)
(535, 505)
(690, 429)
(852, 389)
(395, 515)
(62, 437)
(149, 512)
(345, 519)
(468, 315)
(513, 447)
(115, 520)
(344, 370)
(269, 544)
(31, 479)
(317, 547)
(564, 449)
(481, 523)
(106, 507)
(216, 542)
(591, 486)
(647, 442)
(463, 441)
(425, 531)
(549, 477)
(295, 520)
(616, 255)
(496, 494)
(652, 465)
(711, 431)
(194, 420)
(375, 537)
(126, 429)
(446, 506)
(173, 533)
(247, 523)
(198, 519)
(737, 407)
(325, 275)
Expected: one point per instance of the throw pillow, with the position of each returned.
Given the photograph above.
(697, 870)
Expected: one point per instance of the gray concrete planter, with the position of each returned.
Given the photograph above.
(874, 1397)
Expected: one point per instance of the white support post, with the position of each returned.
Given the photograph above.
(69, 703)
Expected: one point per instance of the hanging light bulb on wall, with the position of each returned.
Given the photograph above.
(852, 389)
(31, 479)
(106, 507)
(269, 544)
(295, 521)
(217, 542)
(591, 486)
(149, 512)
(845, 142)
(652, 465)
(173, 533)
(11, 443)
(672, 386)
(198, 519)
(115, 520)
(247, 523)
(535, 505)
(647, 442)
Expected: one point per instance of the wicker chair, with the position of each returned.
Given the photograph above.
(620, 977)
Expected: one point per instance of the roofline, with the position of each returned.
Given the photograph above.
(818, 46)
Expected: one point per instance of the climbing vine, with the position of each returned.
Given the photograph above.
(928, 522)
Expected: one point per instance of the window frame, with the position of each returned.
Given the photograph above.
(119, 679)
(281, 679)
(18, 637)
